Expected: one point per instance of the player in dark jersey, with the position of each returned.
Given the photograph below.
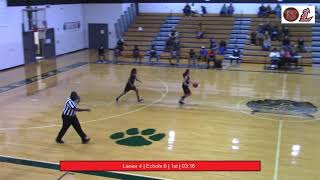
(130, 85)
(185, 86)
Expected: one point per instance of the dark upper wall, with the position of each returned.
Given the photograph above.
(42, 2)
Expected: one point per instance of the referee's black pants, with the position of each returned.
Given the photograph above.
(67, 122)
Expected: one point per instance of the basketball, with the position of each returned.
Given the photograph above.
(195, 85)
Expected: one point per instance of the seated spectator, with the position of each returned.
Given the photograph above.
(266, 44)
(176, 44)
(223, 10)
(274, 33)
(300, 45)
(203, 10)
(200, 32)
(136, 53)
(140, 29)
(222, 47)
(194, 10)
(262, 11)
(285, 31)
(285, 58)
(235, 55)
(260, 28)
(295, 57)
(274, 57)
(118, 49)
(101, 54)
(192, 57)
(213, 44)
(203, 54)
(169, 43)
(260, 39)
(153, 54)
(175, 54)
(230, 10)
(120, 46)
(187, 10)
(116, 53)
(277, 10)
(317, 12)
(173, 33)
(211, 58)
(267, 27)
(268, 10)
(266, 33)
(286, 42)
(253, 37)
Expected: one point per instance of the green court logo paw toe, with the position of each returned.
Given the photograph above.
(133, 137)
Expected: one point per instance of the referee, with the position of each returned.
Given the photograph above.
(69, 118)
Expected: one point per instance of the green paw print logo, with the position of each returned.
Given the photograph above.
(132, 137)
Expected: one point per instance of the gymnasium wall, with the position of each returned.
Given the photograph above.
(240, 8)
(11, 45)
(3, 13)
(104, 13)
(11, 48)
(67, 40)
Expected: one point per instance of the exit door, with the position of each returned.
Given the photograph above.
(98, 35)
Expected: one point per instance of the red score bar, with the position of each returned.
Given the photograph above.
(160, 166)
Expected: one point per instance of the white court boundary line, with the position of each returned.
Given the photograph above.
(163, 95)
(277, 159)
(106, 118)
(53, 163)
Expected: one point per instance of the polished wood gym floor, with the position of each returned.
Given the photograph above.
(215, 124)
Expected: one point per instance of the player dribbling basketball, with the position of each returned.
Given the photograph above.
(130, 85)
(185, 86)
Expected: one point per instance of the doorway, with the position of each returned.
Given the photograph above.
(98, 35)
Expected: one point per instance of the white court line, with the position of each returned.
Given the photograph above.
(106, 118)
(276, 167)
(130, 112)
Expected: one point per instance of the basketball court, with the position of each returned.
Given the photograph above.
(240, 112)
(215, 123)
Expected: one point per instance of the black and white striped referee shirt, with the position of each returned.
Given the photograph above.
(69, 108)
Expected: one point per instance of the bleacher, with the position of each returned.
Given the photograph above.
(151, 26)
(214, 26)
(254, 53)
